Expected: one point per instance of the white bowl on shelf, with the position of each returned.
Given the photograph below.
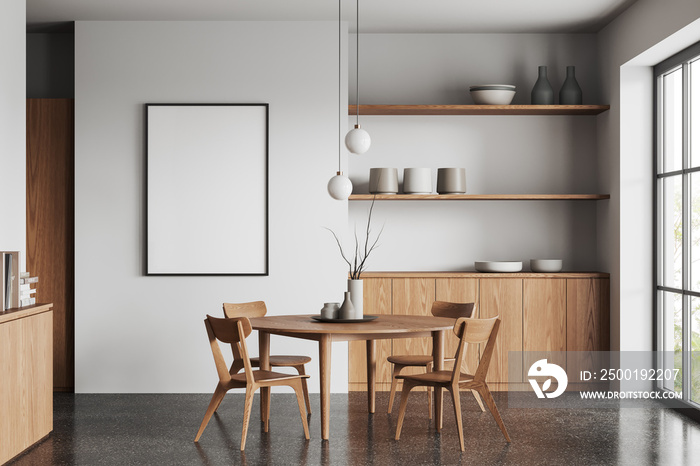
(492, 94)
(498, 266)
(546, 265)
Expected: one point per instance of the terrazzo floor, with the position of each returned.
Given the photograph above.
(160, 429)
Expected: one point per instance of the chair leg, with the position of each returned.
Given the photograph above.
(249, 391)
(488, 399)
(300, 369)
(298, 389)
(213, 405)
(394, 383)
(429, 368)
(478, 400)
(405, 390)
(267, 414)
(458, 414)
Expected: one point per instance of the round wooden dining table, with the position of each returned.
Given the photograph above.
(384, 327)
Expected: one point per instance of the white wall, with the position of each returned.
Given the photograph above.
(645, 34)
(13, 140)
(502, 154)
(145, 334)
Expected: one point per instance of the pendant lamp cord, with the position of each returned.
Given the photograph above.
(339, 85)
(357, 64)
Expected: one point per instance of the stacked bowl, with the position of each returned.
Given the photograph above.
(492, 94)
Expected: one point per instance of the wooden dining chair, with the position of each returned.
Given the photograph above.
(258, 309)
(234, 331)
(469, 331)
(439, 309)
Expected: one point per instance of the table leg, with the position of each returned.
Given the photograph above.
(324, 352)
(371, 374)
(438, 358)
(264, 354)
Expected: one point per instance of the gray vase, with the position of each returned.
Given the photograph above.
(347, 310)
(570, 92)
(542, 93)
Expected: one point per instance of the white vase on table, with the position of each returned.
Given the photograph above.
(356, 296)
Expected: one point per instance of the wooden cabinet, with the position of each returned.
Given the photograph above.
(459, 290)
(544, 321)
(545, 313)
(503, 297)
(377, 300)
(50, 222)
(26, 378)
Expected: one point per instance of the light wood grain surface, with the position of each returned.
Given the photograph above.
(26, 382)
(520, 275)
(479, 197)
(478, 109)
(50, 220)
(413, 297)
(459, 290)
(377, 300)
(544, 321)
(503, 298)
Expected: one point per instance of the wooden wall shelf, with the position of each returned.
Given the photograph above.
(479, 197)
(479, 109)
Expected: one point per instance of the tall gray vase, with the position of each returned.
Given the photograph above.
(542, 93)
(570, 92)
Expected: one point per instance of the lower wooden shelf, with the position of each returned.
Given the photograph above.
(479, 197)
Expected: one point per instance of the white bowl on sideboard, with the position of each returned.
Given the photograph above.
(498, 266)
(546, 265)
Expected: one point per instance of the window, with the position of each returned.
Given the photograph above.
(677, 171)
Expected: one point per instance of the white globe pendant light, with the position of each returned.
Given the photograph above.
(357, 140)
(340, 186)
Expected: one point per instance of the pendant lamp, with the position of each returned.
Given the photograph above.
(340, 186)
(357, 140)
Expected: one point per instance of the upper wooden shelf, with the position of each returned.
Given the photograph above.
(479, 197)
(478, 109)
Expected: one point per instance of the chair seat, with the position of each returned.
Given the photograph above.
(267, 376)
(282, 361)
(436, 377)
(413, 359)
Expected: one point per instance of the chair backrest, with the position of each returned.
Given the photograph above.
(473, 331)
(252, 309)
(452, 310)
(233, 331)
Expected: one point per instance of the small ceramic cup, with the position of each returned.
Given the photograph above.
(330, 310)
(383, 181)
(417, 181)
(451, 181)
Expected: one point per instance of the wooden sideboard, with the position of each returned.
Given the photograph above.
(539, 312)
(26, 378)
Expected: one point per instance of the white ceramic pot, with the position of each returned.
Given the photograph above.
(417, 181)
(356, 296)
(383, 180)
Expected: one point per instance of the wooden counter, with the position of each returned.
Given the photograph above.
(554, 312)
(26, 378)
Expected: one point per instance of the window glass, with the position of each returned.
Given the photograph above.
(672, 121)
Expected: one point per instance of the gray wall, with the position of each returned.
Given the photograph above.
(13, 140)
(644, 35)
(50, 65)
(439, 68)
(136, 333)
(502, 154)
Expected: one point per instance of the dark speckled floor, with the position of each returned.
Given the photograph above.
(160, 429)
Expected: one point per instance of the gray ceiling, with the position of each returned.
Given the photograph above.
(391, 16)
